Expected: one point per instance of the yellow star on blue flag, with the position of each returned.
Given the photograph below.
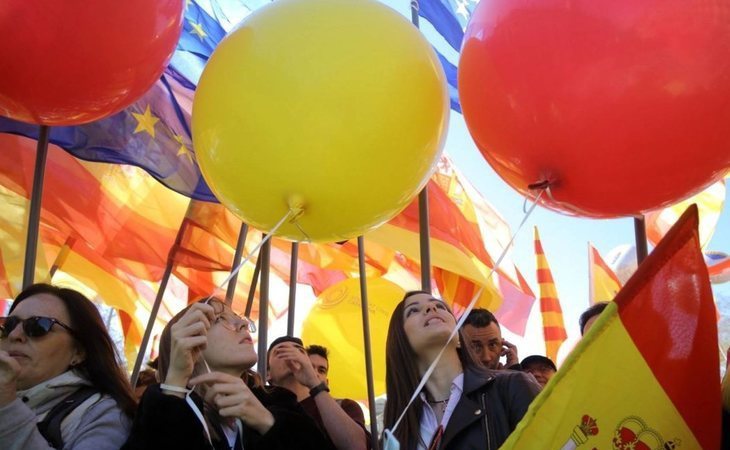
(183, 150)
(197, 30)
(146, 122)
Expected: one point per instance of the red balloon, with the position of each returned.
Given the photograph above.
(75, 61)
(622, 106)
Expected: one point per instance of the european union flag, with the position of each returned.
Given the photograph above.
(448, 18)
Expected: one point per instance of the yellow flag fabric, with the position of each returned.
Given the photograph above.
(645, 376)
(709, 202)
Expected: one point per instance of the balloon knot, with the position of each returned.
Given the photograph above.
(296, 207)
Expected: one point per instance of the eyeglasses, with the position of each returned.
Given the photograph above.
(230, 323)
(34, 327)
(235, 323)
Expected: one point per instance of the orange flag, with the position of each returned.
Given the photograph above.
(603, 282)
(646, 374)
(552, 314)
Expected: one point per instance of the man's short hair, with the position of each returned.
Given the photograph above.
(592, 311)
(480, 318)
(318, 350)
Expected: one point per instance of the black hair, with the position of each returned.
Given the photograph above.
(480, 318)
(319, 350)
(592, 311)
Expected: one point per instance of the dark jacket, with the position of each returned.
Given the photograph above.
(491, 405)
(165, 421)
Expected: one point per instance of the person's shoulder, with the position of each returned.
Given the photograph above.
(347, 402)
(353, 409)
(508, 376)
(275, 396)
(500, 379)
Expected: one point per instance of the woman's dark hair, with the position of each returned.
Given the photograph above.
(251, 378)
(100, 365)
(402, 376)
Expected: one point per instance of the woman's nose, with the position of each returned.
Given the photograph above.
(17, 334)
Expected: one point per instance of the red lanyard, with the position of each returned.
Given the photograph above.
(436, 438)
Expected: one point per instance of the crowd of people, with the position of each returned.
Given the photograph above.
(61, 385)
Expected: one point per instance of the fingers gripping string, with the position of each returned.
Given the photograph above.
(388, 434)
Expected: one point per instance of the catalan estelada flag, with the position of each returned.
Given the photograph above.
(646, 374)
(553, 326)
(603, 282)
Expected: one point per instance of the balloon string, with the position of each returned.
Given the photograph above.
(301, 230)
(464, 315)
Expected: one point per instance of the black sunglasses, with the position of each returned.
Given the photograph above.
(33, 327)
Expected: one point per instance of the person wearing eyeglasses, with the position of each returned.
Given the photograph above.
(55, 351)
(463, 405)
(209, 397)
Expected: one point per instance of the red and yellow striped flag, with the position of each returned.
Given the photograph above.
(552, 315)
(646, 374)
(604, 284)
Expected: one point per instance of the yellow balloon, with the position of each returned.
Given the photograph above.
(335, 110)
(335, 321)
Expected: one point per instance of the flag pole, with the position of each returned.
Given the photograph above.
(424, 233)
(254, 282)
(158, 298)
(34, 215)
(264, 257)
(642, 250)
(366, 340)
(61, 257)
(424, 236)
(230, 292)
(292, 288)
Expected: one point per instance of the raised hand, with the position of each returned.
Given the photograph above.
(9, 371)
(232, 398)
(298, 362)
(189, 338)
(510, 351)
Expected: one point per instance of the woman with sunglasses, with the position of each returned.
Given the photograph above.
(209, 398)
(463, 404)
(53, 346)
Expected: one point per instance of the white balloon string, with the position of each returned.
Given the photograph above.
(464, 315)
(235, 271)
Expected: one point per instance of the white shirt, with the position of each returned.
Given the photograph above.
(429, 423)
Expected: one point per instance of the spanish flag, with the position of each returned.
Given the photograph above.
(552, 314)
(646, 374)
(604, 284)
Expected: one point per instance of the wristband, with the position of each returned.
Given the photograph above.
(178, 389)
(321, 387)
